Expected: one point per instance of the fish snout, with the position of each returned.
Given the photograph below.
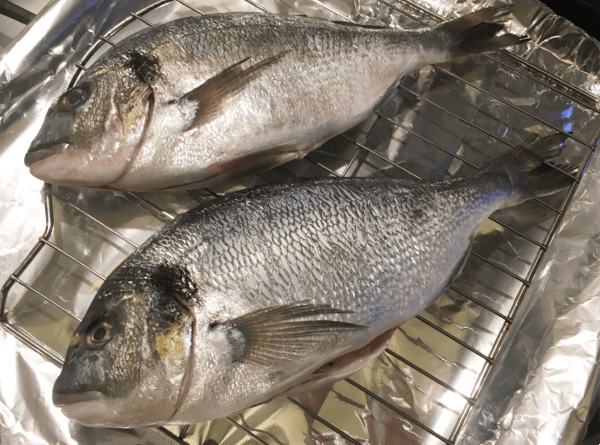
(39, 152)
(81, 378)
(61, 399)
(53, 137)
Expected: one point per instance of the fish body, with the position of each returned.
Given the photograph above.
(202, 100)
(278, 289)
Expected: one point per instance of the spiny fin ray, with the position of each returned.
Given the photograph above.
(279, 335)
(212, 94)
(526, 165)
(477, 32)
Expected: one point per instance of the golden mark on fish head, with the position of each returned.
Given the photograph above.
(171, 342)
(131, 118)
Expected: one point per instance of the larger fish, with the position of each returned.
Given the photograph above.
(206, 99)
(278, 289)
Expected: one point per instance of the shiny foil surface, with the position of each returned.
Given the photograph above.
(532, 388)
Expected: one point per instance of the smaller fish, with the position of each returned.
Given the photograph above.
(203, 100)
(279, 289)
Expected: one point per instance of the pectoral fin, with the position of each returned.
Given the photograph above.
(281, 334)
(212, 94)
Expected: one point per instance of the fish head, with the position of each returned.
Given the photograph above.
(90, 134)
(127, 361)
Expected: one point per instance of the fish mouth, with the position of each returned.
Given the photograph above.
(38, 153)
(65, 399)
(88, 408)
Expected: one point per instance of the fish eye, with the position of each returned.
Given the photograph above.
(73, 99)
(98, 334)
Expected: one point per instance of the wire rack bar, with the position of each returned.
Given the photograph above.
(246, 430)
(456, 339)
(49, 214)
(429, 141)
(71, 257)
(374, 153)
(258, 6)
(430, 376)
(352, 161)
(139, 17)
(452, 154)
(514, 107)
(105, 40)
(186, 4)
(397, 411)
(160, 213)
(542, 246)
(333, 11)
(483, 305)
(324, 422)
(360, 147)
(169, 436)
(90, 217)
(45, 298)
(502, 268)
(462, 418)
(324, 167)
(184, 431)
(15, 12)
(566, 88)
(36, 345)
(213, 194)
(489, 133)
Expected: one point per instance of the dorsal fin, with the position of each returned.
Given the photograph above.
(359, 25)
(343, 22)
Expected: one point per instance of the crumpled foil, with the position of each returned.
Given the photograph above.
(540, 384)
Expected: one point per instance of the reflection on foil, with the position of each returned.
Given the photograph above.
(443, 121)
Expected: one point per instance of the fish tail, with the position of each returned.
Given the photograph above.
(477, 32)
(528, 167)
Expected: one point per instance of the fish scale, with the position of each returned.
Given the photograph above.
(202, 100)
(278, 289)
(332, 241)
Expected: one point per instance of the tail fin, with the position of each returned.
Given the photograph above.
(477, 32)
(526, 166)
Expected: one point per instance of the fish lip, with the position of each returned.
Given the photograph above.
(64, 399)
(42, 152)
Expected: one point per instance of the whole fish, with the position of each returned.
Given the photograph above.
(278, 289)
(202, 100)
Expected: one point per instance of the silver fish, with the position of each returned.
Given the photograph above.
(279, 289)
(203, 100)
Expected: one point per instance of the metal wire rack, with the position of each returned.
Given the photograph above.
(365, 156)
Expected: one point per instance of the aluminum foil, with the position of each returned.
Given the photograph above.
(539, 386)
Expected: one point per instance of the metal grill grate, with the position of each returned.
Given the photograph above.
(366, 156)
